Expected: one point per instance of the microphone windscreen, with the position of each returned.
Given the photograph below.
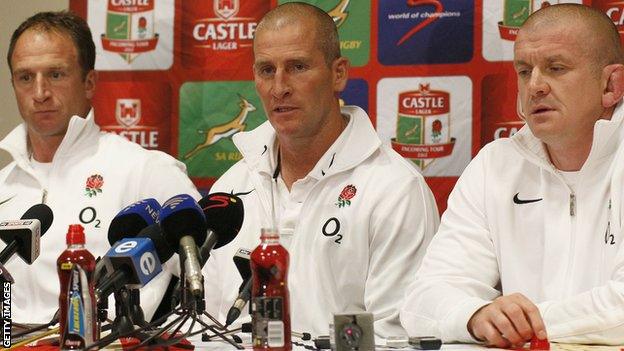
(132, 219)
(43, 213)
(224, 215)
(181, 216)
(154, 233)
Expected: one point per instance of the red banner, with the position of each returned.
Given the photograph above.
(506, 32)
(126, 46)
(422, 151)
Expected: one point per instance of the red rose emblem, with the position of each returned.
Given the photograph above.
(436, 126)
(94, 185)
(346, 195)
(348, 192)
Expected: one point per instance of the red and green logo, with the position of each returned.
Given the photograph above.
(346, 195)
(94, 185)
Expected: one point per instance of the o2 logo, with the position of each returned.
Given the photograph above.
(88, 215)
(331, 228)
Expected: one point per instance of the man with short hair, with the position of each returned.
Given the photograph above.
(530, 245)
(62, 159)
(354, 215)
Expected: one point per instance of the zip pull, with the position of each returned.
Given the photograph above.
(572, 204)
(44, 196)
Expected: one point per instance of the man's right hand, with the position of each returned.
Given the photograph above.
(509, 321)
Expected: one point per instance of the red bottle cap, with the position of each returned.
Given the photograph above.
(75, 235)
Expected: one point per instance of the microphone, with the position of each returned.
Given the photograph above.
(241, 260)
(184, 224)
(224, 217)
(127, 224)
(133, 261)
(23, 236)
(155, 233)
(132, 219)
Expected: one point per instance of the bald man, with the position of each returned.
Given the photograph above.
(531, 242)
(354, 215)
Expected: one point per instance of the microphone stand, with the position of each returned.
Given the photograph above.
(123, 322)
(191, 307)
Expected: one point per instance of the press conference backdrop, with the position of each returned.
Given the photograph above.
(434, 75)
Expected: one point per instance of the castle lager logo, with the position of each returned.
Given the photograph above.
(423, 126)
(219, 33)
(128, 112)
(128, 116)
(129, 28)
(224, 32)
(138, 111)
(515, 12)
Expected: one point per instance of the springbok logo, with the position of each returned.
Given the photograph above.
(224, 130)
(339, 12)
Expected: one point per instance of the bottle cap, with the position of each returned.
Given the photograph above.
(75, 235)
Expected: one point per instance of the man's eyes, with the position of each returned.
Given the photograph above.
(24, 77)
(265, 70)
(299, 67)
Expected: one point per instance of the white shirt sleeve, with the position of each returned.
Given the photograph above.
(595, 316)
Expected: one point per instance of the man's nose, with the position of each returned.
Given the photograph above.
(42, 88)
(538, 85)
(281, 85)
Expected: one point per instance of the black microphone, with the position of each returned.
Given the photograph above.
(184, 224)
(241, 260)
(224, 217)
(23, 236)
(132, 219)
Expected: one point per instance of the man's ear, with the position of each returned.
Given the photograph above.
(613, 78)
(90, 82)
(340, 68)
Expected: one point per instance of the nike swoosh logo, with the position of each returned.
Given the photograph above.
(516, 200)
(7, 200)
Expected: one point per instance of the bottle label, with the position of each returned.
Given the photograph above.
(268, 326)
(79, 330)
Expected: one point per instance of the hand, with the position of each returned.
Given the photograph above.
(509, 321)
